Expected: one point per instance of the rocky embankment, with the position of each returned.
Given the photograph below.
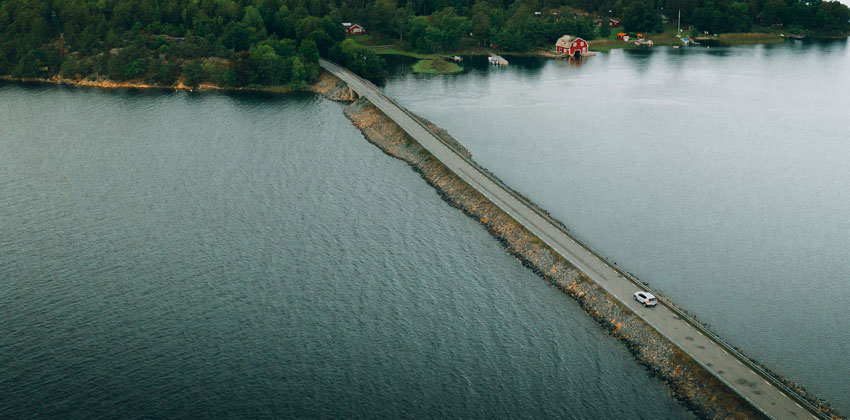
(698, 389)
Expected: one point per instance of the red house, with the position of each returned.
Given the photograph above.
(571, 45)
(614, 23)
(353, 29)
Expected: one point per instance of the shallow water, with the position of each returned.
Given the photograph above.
(174, 255)
(719, 176)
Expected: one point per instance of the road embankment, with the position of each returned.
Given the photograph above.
(689, 382)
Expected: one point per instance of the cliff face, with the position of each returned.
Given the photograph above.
(689, 382)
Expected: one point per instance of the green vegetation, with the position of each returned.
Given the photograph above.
(245, 43)
(436, 66)
(750, 38)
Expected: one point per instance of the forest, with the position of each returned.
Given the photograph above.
(243, 43)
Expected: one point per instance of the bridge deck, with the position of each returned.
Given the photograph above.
(761, 390)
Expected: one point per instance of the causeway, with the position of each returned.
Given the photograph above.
(760, 389)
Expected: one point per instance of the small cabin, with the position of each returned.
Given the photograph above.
(353, 29)
(571, 45)
(623, 36)
(614, 23)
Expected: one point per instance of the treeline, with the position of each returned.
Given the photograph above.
(439, 25)
(226, 42)
(278, 42)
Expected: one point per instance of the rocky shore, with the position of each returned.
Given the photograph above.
(137, 84)
(689, 382)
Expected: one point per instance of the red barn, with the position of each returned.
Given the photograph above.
(353, 29)
(571, 45)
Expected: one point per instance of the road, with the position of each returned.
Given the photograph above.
(761, 391)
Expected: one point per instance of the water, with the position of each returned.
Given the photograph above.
(173, 255)
(718, 175)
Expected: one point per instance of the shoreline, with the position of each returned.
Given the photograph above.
(111, 84)
(663, 39)
(699, 390)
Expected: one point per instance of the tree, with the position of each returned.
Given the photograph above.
(238, 37)
(33, 64)
(308, 51)
(774, 11)
(707, 17)
(360, 60)
(416, 33)
(640, 16)
(254, 21)
(400, 23)
(266, 65)
(299, 74)
(738, 19)
(194, 73)
(604, 30)
(323, 41)
(379, 15)
(481, 22)
(69, 68)
(451, 26)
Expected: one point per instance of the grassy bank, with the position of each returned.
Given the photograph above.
(605, 45)
(750, 39)
(668, 38)
(436, 66)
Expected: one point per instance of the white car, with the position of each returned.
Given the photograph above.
(646, 298)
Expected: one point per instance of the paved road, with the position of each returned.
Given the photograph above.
(710, 354)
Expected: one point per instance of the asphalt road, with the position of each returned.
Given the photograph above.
(711, 355)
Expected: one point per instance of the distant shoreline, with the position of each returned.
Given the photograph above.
(112, 84)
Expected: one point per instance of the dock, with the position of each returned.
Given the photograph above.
(496, 60)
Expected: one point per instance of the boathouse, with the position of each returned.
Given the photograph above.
(571, 45)
(353, 29)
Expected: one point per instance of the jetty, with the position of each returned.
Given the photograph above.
(496, 60)
(752, 383)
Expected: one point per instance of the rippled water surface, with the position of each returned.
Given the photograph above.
(168, 255)
(720, 176)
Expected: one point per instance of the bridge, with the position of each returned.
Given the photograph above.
(745, 378)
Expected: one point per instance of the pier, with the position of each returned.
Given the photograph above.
(496, 60)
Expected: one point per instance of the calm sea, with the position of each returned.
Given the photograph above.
(174, 255)
(720, 176)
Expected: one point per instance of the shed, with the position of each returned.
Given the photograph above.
(353, 29)
(571, 45)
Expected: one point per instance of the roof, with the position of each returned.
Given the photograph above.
(566, 40)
